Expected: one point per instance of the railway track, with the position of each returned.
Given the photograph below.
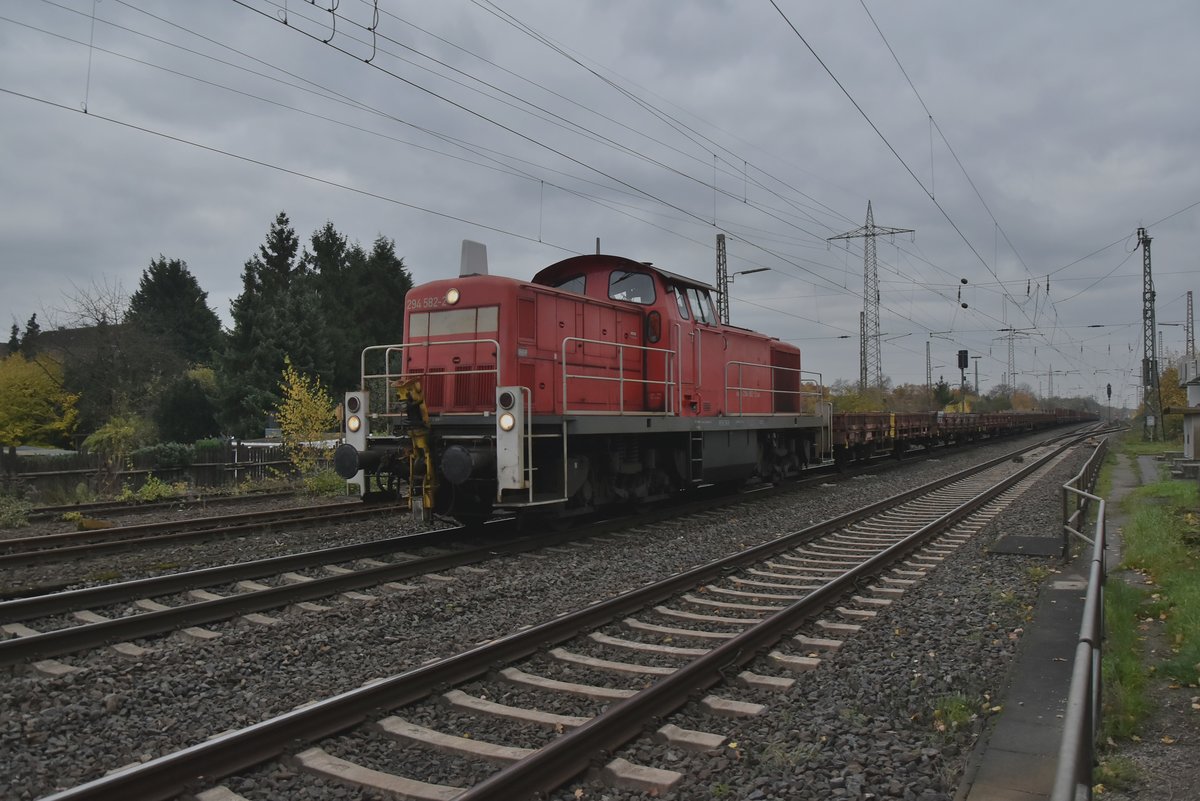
(822, 581)
(48, 548)
(55, 624)
(133, 508)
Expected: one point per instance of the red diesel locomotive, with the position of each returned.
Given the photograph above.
(602, 381)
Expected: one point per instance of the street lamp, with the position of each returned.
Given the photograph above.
(723, 291)
(747, 272)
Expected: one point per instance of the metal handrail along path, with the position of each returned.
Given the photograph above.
(1076, 755)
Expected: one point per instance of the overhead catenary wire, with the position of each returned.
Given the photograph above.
(915, 275)
(521, 174)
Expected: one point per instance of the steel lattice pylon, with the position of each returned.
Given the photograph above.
(1189, 329)
(722, 281)
(871, 369)
(1150, 396)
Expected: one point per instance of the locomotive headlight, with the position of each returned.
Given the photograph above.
(507, 421)
(451, 296)
(353, 423)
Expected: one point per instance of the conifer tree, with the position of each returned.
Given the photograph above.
(29, 342)
(170, 307)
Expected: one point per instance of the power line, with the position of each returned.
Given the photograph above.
(286, 170)
(893, 150)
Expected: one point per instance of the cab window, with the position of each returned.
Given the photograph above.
(701, 306)
(576, 283)
(630, 286)
(681, 302)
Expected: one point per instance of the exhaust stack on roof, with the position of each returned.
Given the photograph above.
(474, 258)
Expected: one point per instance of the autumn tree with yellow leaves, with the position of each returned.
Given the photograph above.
(34, 407)
(306, 415)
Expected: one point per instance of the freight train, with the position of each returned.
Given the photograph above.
(601, 382)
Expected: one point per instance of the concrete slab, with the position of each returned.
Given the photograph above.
(1028, 545)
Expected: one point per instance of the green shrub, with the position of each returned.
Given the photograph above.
(152, 490)
(325, 482)
(167, 455)
(14, 512)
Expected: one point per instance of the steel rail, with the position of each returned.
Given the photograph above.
(92, 635)
(26, 608)
(191, 530)
(169, 775)
(557, 762)
(212, 522)
(107, 594)
(146, 624)
(136, 507)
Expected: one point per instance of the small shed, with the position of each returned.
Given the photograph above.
(1189, 378)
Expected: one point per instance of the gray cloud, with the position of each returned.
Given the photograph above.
(1072, 120)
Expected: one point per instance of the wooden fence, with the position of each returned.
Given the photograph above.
(212, 467)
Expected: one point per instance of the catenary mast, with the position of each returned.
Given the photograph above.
(871, 367)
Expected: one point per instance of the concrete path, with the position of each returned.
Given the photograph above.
(1018, 759)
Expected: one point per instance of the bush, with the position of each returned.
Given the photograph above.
(14, 512)
(152, 490)
(167, 455)
(325, 482)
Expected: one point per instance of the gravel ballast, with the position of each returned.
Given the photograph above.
(871, 702)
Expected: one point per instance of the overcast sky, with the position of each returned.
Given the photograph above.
(537, 126)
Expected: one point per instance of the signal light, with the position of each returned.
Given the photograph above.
(511, 439)
(353, 423)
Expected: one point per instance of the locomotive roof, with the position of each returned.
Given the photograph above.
(592, 262)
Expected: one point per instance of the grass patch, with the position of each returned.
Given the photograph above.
(1126, 704)
(1132, 444)
(781, 755)
(1116, 773)
(1160, 540)
(1037, 574)
(952, 712)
